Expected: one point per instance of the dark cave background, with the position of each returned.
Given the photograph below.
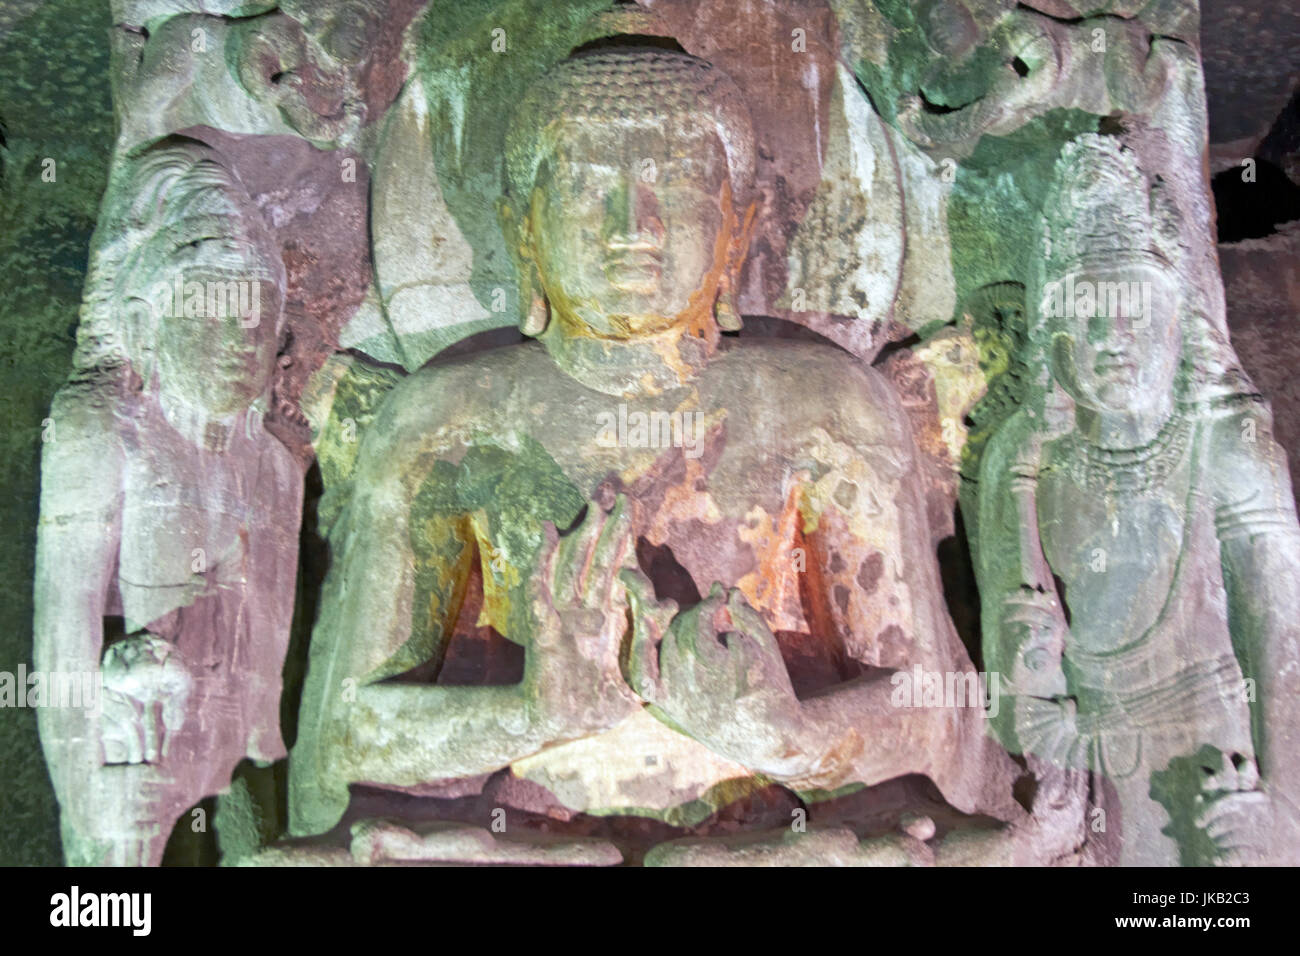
(55, 103)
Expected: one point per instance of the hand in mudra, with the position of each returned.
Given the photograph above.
(715, 671)
(581, 611)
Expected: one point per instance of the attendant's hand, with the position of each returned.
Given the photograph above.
(1034, 628)
(1236, 814)
(146, 689)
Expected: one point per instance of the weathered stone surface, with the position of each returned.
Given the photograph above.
(1137, 526)
(1252, 59)
(379, 842)
(661, 586)
(816, 848)
(1262, 280)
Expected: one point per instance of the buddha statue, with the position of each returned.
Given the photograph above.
(711, 548)
(158, 569)
(1138, 545)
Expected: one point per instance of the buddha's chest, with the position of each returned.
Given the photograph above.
(711, 496)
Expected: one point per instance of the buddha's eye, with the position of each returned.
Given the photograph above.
(198, 243)
(677, 174)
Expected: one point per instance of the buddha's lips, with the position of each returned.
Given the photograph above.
(634, 259)
(632, 266)
(1115, 366)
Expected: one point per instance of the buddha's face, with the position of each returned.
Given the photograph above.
(1122, 353)
(628, 226)
(217, 342)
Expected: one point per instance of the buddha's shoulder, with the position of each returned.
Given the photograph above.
(818, 384)
(476, 367)
(476, 378)
(449, 395)
(817, 369)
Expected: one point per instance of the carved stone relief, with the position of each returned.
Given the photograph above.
(675, 433)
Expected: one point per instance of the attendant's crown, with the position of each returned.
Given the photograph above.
(1100, 210)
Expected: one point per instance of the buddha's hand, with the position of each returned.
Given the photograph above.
(715, 672)
(1236, 814)
(573, 679)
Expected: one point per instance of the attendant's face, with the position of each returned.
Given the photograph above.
(629, 227)
(217, 342)
(1122, 354)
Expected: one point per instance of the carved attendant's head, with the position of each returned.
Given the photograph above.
(1109, 300)
(217, 241)
(1123, 353)
(191, 263)
(630, 173)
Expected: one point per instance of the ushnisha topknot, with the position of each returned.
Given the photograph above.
(634, 86)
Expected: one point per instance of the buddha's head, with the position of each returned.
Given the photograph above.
(1109, 303)
(197, 277)
(629, 195)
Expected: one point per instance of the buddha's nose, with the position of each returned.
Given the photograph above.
(1124, 328)
(632, 219)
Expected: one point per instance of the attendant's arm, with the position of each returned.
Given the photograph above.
(76, 556)
(1260, 548)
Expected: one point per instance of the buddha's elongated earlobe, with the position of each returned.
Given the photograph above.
(537, 313)
(725, 310)
(532, 297)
